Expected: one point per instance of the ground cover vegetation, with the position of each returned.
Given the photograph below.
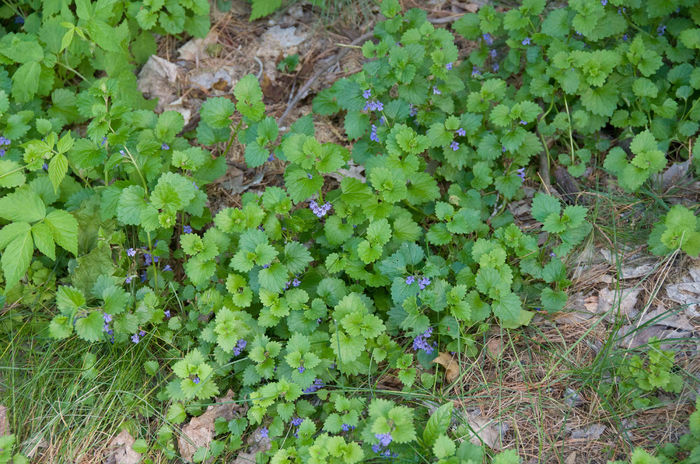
(299, 300)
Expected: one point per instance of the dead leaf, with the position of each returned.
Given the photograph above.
(121, 451)
(627, 299)
(687, 292)
(4, 422)
(156, 79)
(196, 49)
(484, 431)
(571, 459)
(277, 39)
(353, 171)
(494, 348)
(592, 432)
(200, 430)
(256, 444)
(450, 364)
(674, 174)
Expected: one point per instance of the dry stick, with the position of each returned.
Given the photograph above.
(302, 91)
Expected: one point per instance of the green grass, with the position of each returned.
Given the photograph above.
(63, 409)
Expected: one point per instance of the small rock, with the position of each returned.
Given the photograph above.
(572, 398)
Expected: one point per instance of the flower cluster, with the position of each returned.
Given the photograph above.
(382, 447)
(240, 346)
(371, 105)
(422, 282)
(137, 336)
(4, 142)
(521, 173)
(373, 134)
(296, 422)
(320, 211)
(421, 342)
(314, 387)
(107, 319)
(347, 427)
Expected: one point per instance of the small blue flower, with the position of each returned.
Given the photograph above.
(19, 20)
(603, 2)
(194, 184)
(366, 94)
(143, 276)
(271, 157)
(264, 432)
(104, 141)
(454, 146)
(373, 134)
(521, 173)
(127, 280)
(424, 282)
(196, 379)
(661, 30)
(2, 152)
(523, 122)
(553, 255)
(296, 421)
(526, 41)
(412, 110)
(296, 282)
(167, 268)
(107, 318)
(167, 313)
(187, 229)
(495, 67)
(45, 167)
(448, 66)
(121, 152)
(142, 333)
(625, 37)
(384, 439)
(135, 338)
(165, 146)
(377, 448)
(461, 132)
(475, 71)
(493, 53)
(410, 279)
(301, 369)
(131, 252)
(436, 91)
(488, 39)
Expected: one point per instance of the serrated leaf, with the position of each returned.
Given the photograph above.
(16, 258)
(90, 328)
(438, 423)
(58, 166)
(64, 228)
(22, 205)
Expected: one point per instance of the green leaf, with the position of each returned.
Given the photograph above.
(64, 228)
(553, 300)
(438, 423)
(168, 126)
(131, 205)
(25, 81)
(11, 174)
(249, 96)
(43, 239)
(216, 112)
(356, 124)
(22, 205)
(58, 166)
(16, 258)
(507, 307)
(262, 8)
(90, 327)
(444, 447)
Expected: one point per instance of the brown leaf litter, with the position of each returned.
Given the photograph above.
(450, 364)
(199, 431)
(120, 450)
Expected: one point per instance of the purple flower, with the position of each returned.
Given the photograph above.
(603, 2)
(265, 266)
(121, 152)
(2, 152)
(538, 309)
(625, 37)
(424, 282)
(107, 318)
(382, 121)
(309, 176)
(296, 421)
(147, 259)
(135, 338)
(436, 91)
(496, 67)
(241, 343)
(319, 211)
(45, 167)
(412, 110)
(384, 439)
(373, 134)
(104, 141)
(167, 313)
(553, 255)
(301, 369)
(448, 66)
(523, 122)
(271, 157)
(661, 30)
(143, 276)
(461, 132)
(296, 282)
(4, 141)
(366, 94)
(167, 268)
(377, 448)
(194, 184)
(127, 280)
(421, 341)
(264, 432)
(196, 379)
(493, 53)
(374, 105)
(314, 387)
(454, 146)
(187, 229)
(165, 146)
(131, 252)
(526, 41)
(410, 279)
(142, 333)
(503, 149)
(521, 173)
(475, 71)
(488, 39)
(345, 427)
(19, 20)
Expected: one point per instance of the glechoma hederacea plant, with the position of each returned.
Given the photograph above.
(316, 286)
